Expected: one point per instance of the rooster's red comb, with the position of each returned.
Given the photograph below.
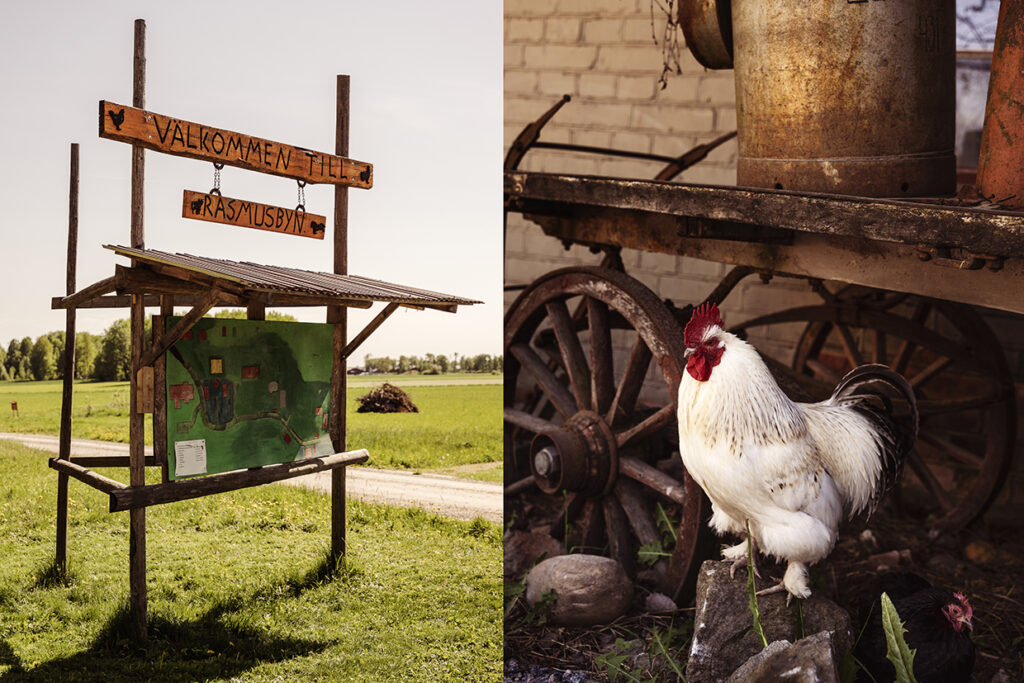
(703, 317)
(963, 601)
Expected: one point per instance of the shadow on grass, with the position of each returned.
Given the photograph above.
(224, 642)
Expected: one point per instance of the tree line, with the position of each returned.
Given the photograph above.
(107, 357)
(431, 364)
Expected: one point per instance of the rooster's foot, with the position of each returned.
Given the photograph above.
(739, 556)
(777, 588)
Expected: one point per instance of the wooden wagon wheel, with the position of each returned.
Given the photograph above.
(577, 436)
(958, 370)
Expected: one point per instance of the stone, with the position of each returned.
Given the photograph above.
(809, 660)
(659, 603)
(748, 667)
(524, 549)
(722, 635)
(591, 589)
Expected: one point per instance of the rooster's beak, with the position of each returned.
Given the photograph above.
(966, 621)
(686, 354)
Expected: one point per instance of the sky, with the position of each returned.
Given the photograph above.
(425, 111)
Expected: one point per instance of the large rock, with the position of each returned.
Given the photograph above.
(809, 660)
(591, 589)
(722, 636)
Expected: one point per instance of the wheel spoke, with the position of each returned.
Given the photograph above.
(602, 376)
(644, 429)
(850, 346)
(637, 511)
(617, 527)
(632, 381)
(546, 380)
(572, 352)
(906, 350)
(926, 476)
(878, 352)
(929, 372)
(570, 509)
(822, 370)
(961, 454)
(937, 406)
(519, 486)
(528, 422)
(652, 478)
(590, 526)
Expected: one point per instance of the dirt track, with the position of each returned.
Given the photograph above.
(448, 496)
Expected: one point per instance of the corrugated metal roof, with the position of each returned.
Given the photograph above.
(263, 278)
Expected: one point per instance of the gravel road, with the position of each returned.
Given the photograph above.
(448, 496)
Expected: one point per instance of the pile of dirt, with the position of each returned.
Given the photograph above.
(387, 398)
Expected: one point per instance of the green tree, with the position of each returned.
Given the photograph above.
(43, 365)
(240, 314)
(57, 342)
(442, 363)
(24, 370)
(113, 363)
(86, 346)
(13, 358)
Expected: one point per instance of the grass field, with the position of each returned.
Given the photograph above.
(458, 424)
(238, 589)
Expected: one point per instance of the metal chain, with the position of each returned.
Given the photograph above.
(302, 196)
(216, 178)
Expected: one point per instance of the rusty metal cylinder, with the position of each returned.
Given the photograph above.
(849, 97)
(1001, 162)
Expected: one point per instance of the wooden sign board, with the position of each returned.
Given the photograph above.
(197, 141)
(217, 209)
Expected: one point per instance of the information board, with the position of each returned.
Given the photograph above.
(246, 393)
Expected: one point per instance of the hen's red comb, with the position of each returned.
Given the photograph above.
(967, 606)
(703, 317)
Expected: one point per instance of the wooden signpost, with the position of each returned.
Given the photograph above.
(197, 141)
(218, 209)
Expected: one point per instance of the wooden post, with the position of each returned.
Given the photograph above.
(160, 389)
(338, 316)
(136, 422)
(64, 450)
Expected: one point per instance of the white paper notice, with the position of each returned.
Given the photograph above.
(189, 457)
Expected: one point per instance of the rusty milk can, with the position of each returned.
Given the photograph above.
(844, 96)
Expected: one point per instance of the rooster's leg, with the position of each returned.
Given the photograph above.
(738, 555)
(794, 582)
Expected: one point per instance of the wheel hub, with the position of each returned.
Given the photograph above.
(580, 456)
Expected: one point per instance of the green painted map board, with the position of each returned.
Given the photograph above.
(246, 393)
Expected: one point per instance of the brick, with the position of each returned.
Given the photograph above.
(593, 138)
(597, 85)
(515, 236)
(670, 118)
(528, 8)
(725, 119)
(680, 89)
(724, 154)
(636, 87)
(658, 263)
(682, 290)
(759, 299)
(556, 133)
(597, 114)
(673, 145)
(602, 31)
(562, 30)
(634, 142)
(717, 89)
(629, 168)
(638, 29)
(524, 30)
(522, 109)
(596, 7)
(520, 82)
(707, 174)
(557, 84)
(559, 56)
(629, 59)
(513, 55)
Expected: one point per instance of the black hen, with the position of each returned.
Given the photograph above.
(938, 624)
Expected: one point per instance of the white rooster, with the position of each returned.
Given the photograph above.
(792, 470)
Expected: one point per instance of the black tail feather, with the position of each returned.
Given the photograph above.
(898, 431)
